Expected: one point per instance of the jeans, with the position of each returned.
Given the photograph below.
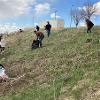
(48, 32)
(40, 41)
(88, 30)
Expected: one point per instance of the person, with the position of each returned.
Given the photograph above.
(2, 44)
(89, 25)
(48, 28)
(40, 37)
(20, 30)
(0, 37)
(3, 75)
(37, 28)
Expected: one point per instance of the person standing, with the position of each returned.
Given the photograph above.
(2, 44)
(37, 28)
(48, 28)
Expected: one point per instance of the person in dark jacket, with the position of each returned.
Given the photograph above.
(37, 28)
(48, 28)
(89, 25)
(40, 37)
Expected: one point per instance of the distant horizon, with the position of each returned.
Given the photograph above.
(26, 13)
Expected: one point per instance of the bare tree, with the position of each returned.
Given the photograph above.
(76, 16)
(88, 10)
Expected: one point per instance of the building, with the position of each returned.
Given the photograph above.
(54, 23)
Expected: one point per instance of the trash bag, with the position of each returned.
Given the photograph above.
(3, 75)
(35, 44)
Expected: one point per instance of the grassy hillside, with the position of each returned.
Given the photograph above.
(66, 68)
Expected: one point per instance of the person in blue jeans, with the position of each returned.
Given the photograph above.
(40, 37)
(48, 28)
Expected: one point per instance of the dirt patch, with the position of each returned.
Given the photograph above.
(22, 77)
(94, 92)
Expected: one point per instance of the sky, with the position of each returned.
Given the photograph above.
(15, 14)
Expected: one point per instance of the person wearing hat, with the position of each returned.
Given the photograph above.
(89, 25)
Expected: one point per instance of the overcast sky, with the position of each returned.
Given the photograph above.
(24, 13)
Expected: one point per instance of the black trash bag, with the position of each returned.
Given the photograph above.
(35, 44)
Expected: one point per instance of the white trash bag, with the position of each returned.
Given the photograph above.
(45, 32)
(3, 75)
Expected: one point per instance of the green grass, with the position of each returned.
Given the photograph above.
(54, 72)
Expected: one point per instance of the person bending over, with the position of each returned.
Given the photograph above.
(89, 25)
(40, 37)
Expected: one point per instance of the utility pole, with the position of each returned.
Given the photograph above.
(33, 19)
(56, 14)
(71, 16)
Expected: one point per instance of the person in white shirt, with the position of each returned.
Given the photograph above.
(2, 44)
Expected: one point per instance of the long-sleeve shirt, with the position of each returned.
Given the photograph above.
(48, 27)
(39, 34)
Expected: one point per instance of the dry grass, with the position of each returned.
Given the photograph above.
(66, 68)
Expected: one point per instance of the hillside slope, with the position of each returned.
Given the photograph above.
(66, 68)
